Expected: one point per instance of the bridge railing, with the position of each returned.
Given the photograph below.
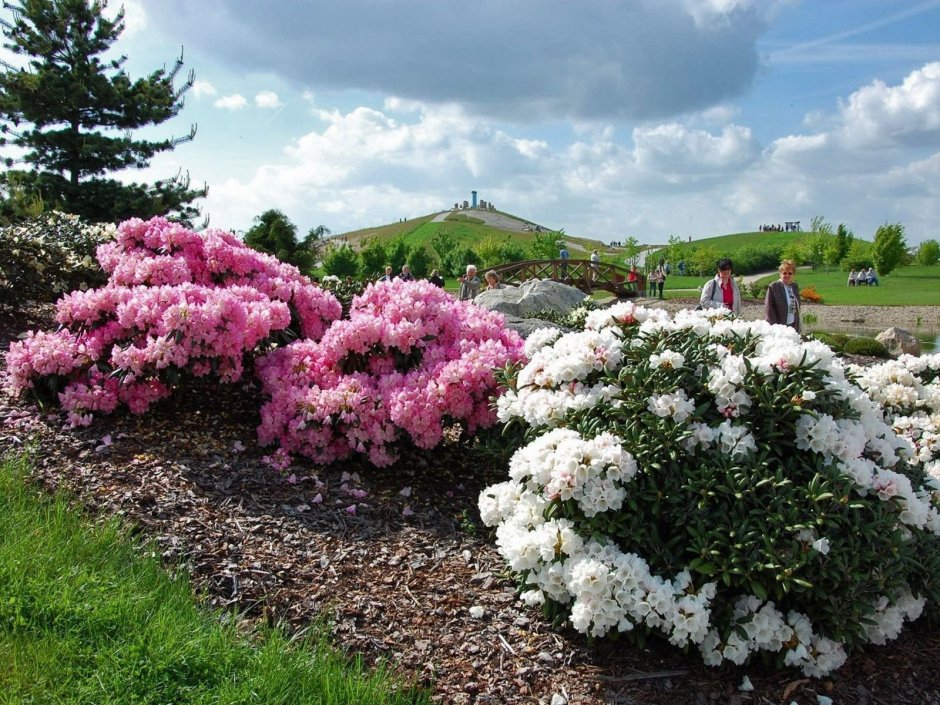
(581, 273)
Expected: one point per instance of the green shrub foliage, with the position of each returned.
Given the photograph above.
(721, 482)
(865, 346)
(49, 255)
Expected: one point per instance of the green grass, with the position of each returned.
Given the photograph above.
(905, 286)
(87, 617)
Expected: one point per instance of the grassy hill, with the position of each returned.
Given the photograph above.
(469, 230)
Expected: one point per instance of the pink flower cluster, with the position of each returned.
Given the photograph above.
(177, 302)
(409, 360)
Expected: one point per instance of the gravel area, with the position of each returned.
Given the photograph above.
(836, 318)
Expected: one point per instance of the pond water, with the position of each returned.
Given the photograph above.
(929, 339)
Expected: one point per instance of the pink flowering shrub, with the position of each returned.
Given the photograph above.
(177, 304)
(408, 361)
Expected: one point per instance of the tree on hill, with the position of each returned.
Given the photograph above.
(315, 241)
(275, 234)
(70, 114)
(341, 260)
(889, 248)
(928, 253)
(547, 244)
(844, 236)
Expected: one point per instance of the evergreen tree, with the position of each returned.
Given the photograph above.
(71, 113)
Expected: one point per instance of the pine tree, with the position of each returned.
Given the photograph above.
(71, 113)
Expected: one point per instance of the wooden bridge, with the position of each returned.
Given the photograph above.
(581, 273)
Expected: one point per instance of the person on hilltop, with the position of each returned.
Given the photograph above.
(469, 284)
(406, 274)
(722, 291)
(782, 303)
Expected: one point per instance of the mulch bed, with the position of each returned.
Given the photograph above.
(396, 579)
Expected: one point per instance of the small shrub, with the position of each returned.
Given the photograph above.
(810, 295)
(721, 482)
(49, 255)
(756, 290)
(865, 346)
(836, 341)
(177, 305)
(409, 361)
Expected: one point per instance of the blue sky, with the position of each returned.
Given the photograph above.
(608, 118)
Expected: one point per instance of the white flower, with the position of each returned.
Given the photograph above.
(677, 406)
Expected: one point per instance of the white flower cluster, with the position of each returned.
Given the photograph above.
(760, 626)
(556, 380)
(564, 466)
(606, 588)
(909, 390)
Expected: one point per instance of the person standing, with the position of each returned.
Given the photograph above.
(659, 278)
(782, 303)
(469, 284)
(722, 291)
(563, 256)
(595, 261)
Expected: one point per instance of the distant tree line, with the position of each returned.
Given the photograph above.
(822, 247)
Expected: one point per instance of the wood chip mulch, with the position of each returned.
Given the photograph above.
(396, 580)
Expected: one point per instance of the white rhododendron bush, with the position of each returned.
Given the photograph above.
(721, 482)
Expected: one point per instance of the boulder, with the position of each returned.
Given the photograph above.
(531, 297)
(898, 341)
(525, 326)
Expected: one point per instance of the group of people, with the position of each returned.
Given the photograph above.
(405, 275)
(781, 304)
(470, 284)
(863, 277)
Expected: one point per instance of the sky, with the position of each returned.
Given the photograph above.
(605, 118)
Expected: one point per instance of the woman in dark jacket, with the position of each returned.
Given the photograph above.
(782, 304)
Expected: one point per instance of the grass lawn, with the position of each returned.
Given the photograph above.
(905, 286)
(87, 617)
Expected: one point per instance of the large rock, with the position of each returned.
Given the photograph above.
(898, 341)
(531, 297)
(526, 326)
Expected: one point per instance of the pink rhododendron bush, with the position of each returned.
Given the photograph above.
(720, 482)
(409, 361)
(177, 303)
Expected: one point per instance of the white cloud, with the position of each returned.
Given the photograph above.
(231, 102)
(879, 114)
(528, 60)
(674, 150)
(204, 88)
(267, 99)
